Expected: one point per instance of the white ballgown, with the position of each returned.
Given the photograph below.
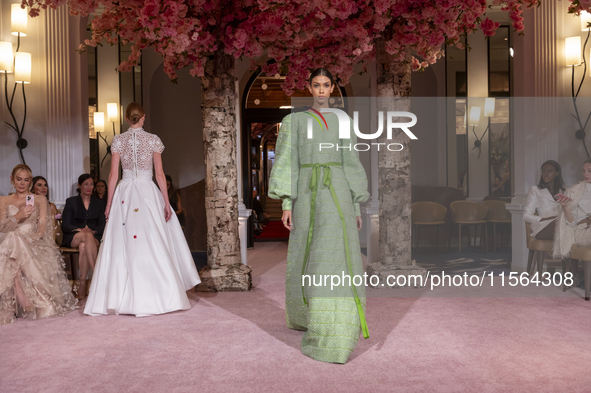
(144, 265)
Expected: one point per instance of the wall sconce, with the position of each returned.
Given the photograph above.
(22, 67)
(99, 121)
(112, 114)
(20, 63)
(18, 21)
(585, 20)
(572, 53)
(474, 118)
(6, 58)
(99, 126)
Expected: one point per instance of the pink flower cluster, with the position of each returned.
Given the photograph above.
(299, 35)
(577, 6)
(337, 34)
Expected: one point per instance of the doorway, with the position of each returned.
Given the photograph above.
(264, 105)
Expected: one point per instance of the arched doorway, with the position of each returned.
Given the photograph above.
(264, 105)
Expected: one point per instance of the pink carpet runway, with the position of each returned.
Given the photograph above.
(446, 341)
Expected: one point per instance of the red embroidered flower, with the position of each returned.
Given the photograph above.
(134, 236)
(122, 202)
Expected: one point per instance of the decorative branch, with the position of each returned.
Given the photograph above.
(580, 133)
(478, 141)
(107, 143)
(21, 142)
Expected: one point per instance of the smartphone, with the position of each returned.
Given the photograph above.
(560, 195)
(30, 200)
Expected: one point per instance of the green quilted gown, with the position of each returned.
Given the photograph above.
(331, 318)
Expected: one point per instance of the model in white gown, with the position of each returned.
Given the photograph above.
(144, 265)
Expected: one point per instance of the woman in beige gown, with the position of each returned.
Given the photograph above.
(33, 283)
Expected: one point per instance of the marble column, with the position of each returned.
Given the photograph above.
(535, 138)
(66, 102)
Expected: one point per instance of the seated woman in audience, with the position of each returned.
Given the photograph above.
(541, 199)
(33, 283)
(574, 221)
(83, 223)
(101, 190)
(174, 197)
(40, 187)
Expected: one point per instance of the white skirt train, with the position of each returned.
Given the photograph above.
(144, 265)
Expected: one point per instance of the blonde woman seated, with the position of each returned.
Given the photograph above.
(574, 221)
(33, 283)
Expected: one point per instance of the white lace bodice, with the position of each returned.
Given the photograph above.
(136, 148)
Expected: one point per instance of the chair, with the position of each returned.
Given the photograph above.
(442, 195)
(469, 213)
(537, 248)
(70, 255)
(583, 254)
(427, 214)
(497, 214)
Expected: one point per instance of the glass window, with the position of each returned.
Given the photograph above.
(499, 71)
(457, 141)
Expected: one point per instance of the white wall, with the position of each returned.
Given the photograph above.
(571, 153)
(56, 102)
(173, 112)
(107, 76)
(35, 153)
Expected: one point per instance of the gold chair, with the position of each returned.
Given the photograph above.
(583, 254)
(469, 213)
(427, 214)
(537, 250)
(497, 214)
(70, 255)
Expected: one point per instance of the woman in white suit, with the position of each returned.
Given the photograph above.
(541, 199)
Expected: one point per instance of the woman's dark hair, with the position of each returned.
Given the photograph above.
(82, 179)
(172, 191)
(321, 72)
(35, 180)
(95, 193)
(558, 181)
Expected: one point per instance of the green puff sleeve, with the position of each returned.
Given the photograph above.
(284, 175)
(354, 172)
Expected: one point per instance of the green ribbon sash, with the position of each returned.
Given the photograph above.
(314, 179)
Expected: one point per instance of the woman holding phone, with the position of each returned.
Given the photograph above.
(574, 222)
(33, 283)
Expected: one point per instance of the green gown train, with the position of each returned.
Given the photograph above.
(331, 318)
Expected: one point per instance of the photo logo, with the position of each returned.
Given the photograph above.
(345, 127)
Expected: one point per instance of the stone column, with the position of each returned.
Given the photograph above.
(535, 136)
(224, 271)
(393, 90)
(66, 103)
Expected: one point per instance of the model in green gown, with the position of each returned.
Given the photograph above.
(332, 319)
